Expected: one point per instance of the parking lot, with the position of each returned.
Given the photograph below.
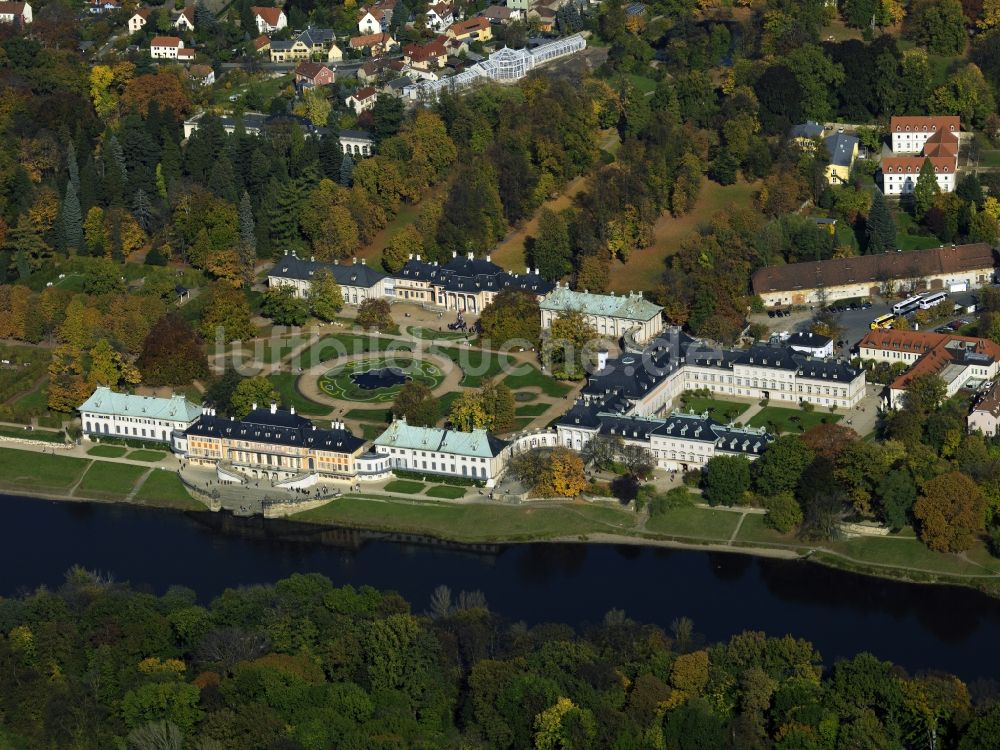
(855, 322)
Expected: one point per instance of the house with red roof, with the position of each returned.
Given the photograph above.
(269, 20)
(915, 140)
(165, 47)
(138, 19)
(376, 44)
(313, 74)
(362, 100)
(15, 13)
(430, 56)
(475, 29)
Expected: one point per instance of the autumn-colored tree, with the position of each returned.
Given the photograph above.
(110, 368)
(315, 106)
(563, 475)
(164, 88)
(16, 303)
(416, 402)
(593, 273)
(430, 151)
(130, 317)
(950, 511)
(553, 726)
(689, 673)
(325, 296)
(328, 222)
(467, 413)
(67, 386)
(81, 325)
(95, 232)
(256, 391)
(173, 353)
(375, 313)
(567, 348)
(512, 315)
(829, 440)
(227, 314)
(106, 84)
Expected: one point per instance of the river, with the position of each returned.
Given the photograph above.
(918, 627)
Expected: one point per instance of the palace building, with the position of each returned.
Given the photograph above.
(357, 281)
(111, 414)
(435, 450)
(270, 443)
(609, 314)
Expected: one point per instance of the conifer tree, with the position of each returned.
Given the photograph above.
(142, 209)
(880, 229)
(248, 240)
(925, 190)
(346, 170)
(71, 220)
(72, 166)
(222, 181)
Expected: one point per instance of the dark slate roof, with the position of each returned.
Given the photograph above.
(352, 274)
(472, 275)
(841, 148)
(312, 36)
(807, 129)
(357, 134)
(276, 428)
(807, 339)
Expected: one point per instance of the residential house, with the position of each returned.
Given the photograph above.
(435, 450)
(430, 56)
(165, 47)
(397, 87)
(269, 20)
(262, 44)
(100, 7)
(362, 100)
(370, 71)
(138, 19)
(960, 361)
(677, 442)
(985, 414)
(439, 16)
(311, 44)
(272, 444)
(819, 282)
(358, 281)
(806, 134)
(254, 123)
(610, 315)
(202, 74)
(520, 7)
(475, 29)
(357, 143)
(185, 19)
(186, 54)
(377, 17)
(376, 44)
(843, 150)
(501, 14)
(914, 141)
(313, 74)
(112, 414)
(15, 13)
(544, 17)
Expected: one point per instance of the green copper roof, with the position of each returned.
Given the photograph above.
(476, 443)
(628, 306)
(106, 401)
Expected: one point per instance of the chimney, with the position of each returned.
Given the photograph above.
(536, 272)
(292, 410)
(488, 258)
(527, 271)
(418, 256)
(454, 253)
(355, 259)
(602, 359)
(286, 251)
(468, 255)
(312, 258)
(411, 256)
(274, 407)
(364, 261)
(254, 407)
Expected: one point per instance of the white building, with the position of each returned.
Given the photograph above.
(143, 417)
(362, 100)
(19, 13)
(439, 16)
(138, 20)
(914, 141)
(185, 19)
(435, 450)
(358, 281)
(609, 314)
(357, 143)
(269, 20)
(165, 47)
(678, 442)
(810, 343)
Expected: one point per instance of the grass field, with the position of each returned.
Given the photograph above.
(533, 378)
(39, 471)
(23, 434)
(164, 489)
(697, 523)
(372, 431)
(331, 348)
(109, 480)
(532, 410)
(369, 415)
(108, 451)
(726, 411)
(754, 530)
(475, 363)
(284, 384)
(642, 84)
(339, 381)
(147, 455)
(470, 522)
(989, 158)
(404, 487)
(910, 553)
(446, 492)
(791, 420)
(429, 333)
(645, 267)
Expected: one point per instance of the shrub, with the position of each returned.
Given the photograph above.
(784, 514)
(692, 478)
(661, 502)
(439, 478)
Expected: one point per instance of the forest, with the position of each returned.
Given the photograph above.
(302, 664)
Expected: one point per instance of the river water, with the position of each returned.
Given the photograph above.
(918, 627)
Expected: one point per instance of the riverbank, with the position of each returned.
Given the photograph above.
(898, 557)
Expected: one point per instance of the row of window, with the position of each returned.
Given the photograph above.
(432, 454)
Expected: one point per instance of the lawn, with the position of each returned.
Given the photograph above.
(430, 333)
(447, 400)
(755, 531)
(475, 363)
(791, 420)
(339, 381)
(165, 489)
(520, 423)
(989, 158)
(643, 85)
(532, 377)
(404, 487)
(446, 492)
(470, 522)
(532, 410)
(23, 434)
(108, 451)
(330, 348)
(695, 523)
(369, 415)
(39, 471)
(909, 553)
(726, 411)
(110, 480)
(645, 267)
(372, 431)
(147, 455)
(284, 384)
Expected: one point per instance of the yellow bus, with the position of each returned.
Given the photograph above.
(882, 322)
